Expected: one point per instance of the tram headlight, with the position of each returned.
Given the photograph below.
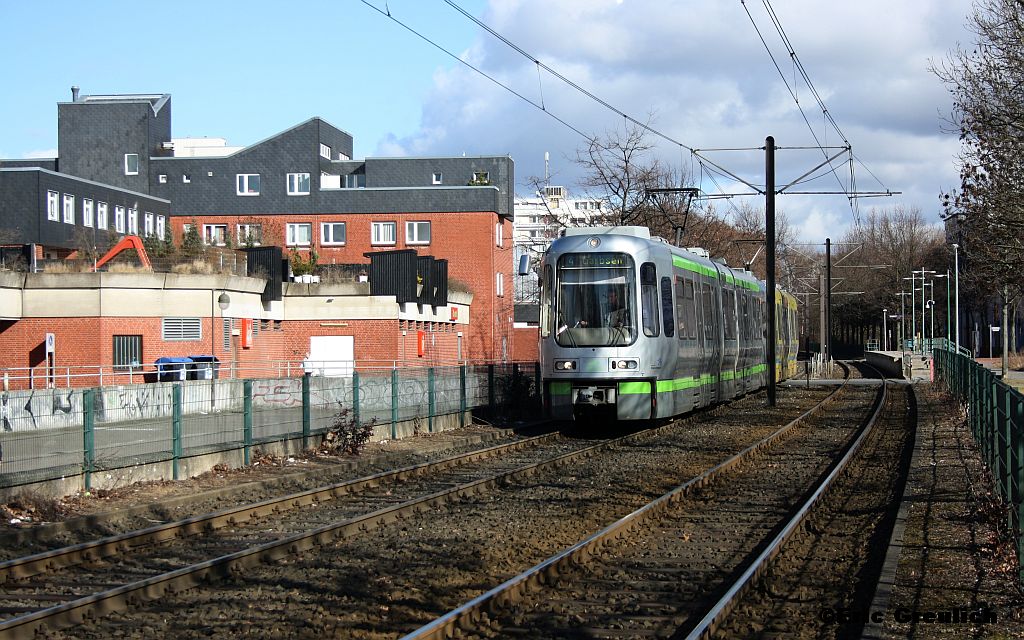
(625, 364)
(565, 365)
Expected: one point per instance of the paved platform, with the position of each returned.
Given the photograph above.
(949, 572)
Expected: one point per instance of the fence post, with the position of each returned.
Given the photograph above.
(490, 387)
(355, 398)
(175, 428)
(307, 411)
(431, 400)
(394, 403)
(88, 436)
(246, 422)
(462, 395)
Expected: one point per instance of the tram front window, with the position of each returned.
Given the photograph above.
(595, 305)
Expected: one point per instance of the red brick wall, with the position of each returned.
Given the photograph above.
(527, 349)
(467, 240)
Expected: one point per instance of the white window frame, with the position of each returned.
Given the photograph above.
(87, 212)
(162, 178)
(481, 176)
(119, 218)
(186, 178)
(133, 222)
(102, 215)
(325, 151)
(161, 227)
(499, 285)
(69, 208)
(149, 227)
(499, 235)
(53, 206)
(242, 231)
(128, 164)
(437, 178)
(243, 184)
(292, 229)
(294, 181)
(379, 235)
(327, 235)
(412, 232)
(210, 234)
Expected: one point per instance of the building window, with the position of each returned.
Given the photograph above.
(101, 215)
(250, 235)
(127, 351)
(417, 233)
(186, 178)
(248, 184)
(300, 233)
(53, 206)
(163, 178)
(133, 222)
(383, 233)
(499, 234)
(161, 227)
(499, 285)
(69, 208)
(298, 184)
(149, 228)
(438, 177)
(332, 233)
(87, 210)
(354, 181)
(325, 151)
(181, 329)
(119, 219)
(481, 178)
(131, 164)
(215, 234)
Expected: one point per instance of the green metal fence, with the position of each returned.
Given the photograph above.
(49, 434)
(996, 417)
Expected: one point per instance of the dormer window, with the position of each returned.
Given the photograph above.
(325, 151)
(131, 164)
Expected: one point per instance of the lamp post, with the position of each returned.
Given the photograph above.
(903, 320)
(885, 331)
(913, 315)
(956, 271)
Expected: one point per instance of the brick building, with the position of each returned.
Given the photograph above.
(120, 171)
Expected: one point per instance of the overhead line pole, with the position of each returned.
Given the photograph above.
(769, 260)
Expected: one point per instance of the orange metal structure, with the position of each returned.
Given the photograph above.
(127, 242)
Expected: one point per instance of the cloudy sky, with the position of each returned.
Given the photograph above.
(697, 70)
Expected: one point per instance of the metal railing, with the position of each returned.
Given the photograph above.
(43, 376)
(996, 417)
(55, 433)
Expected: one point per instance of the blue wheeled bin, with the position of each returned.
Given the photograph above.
(172, 369)
(203, 368)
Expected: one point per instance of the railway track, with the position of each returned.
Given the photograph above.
(62, 587)
(678, 566)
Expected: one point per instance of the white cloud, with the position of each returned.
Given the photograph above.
(700, 70)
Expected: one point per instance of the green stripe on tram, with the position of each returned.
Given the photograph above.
(560, 388)
(634, 388)
(690, 265)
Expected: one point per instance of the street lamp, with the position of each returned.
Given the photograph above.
(956, 270)
(885, 331)
(903, 319)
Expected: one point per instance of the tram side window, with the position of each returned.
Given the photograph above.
(729, 309)
(690, 308)
(547, 308)
(666, 307)
(709, 311)
(744, 300)
(649, 299)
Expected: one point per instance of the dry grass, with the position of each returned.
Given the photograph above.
(197, 266)
(128, 268)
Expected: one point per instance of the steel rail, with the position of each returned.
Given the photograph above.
(76, 611)
(710, 623)
(513, 589)
(49, 561)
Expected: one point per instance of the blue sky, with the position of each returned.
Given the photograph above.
(695, 68)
